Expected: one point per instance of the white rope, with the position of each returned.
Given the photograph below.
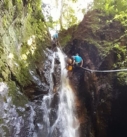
(118, 70)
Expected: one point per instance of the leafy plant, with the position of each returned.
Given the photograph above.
(122, 78)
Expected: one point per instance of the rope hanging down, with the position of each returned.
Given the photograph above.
(99, 71)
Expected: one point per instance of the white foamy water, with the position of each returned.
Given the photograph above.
(66, 111)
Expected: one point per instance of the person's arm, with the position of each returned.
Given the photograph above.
(73, 61)
(81, 63)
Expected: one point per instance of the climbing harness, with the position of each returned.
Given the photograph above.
(99, 71)
(69, 68)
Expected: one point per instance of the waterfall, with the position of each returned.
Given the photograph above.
(53, 115)
(59, 118)
(66, 110)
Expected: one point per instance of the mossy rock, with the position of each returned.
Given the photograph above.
(17, 97)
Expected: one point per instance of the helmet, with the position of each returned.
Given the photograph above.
(69, 61)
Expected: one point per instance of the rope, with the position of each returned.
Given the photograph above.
(99, 71)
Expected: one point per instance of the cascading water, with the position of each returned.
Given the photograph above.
(66, 110)
(58, 109)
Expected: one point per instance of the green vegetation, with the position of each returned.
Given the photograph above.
(66, 17)
(23, 37)
(24, 34)
(115, 13)
(121, 62)
(17, 98)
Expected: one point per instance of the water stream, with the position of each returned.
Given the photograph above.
(54, 115)
(66, 110)
(58, 109)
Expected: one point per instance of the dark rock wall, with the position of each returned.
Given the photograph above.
(101, 100)
(95, 92)
(85, 83)
(118, 119)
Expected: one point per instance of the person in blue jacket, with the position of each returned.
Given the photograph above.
(77, 60)
(55, 38)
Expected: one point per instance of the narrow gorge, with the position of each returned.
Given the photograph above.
(37, 96)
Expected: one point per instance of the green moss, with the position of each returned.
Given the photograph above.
(1, 121)
(6, 130)
(17, 98)
(20, 23)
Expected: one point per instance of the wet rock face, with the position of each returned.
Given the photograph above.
(46, 79)
(102, 102)
(26, 119)
(12, 118)
(54, 73)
